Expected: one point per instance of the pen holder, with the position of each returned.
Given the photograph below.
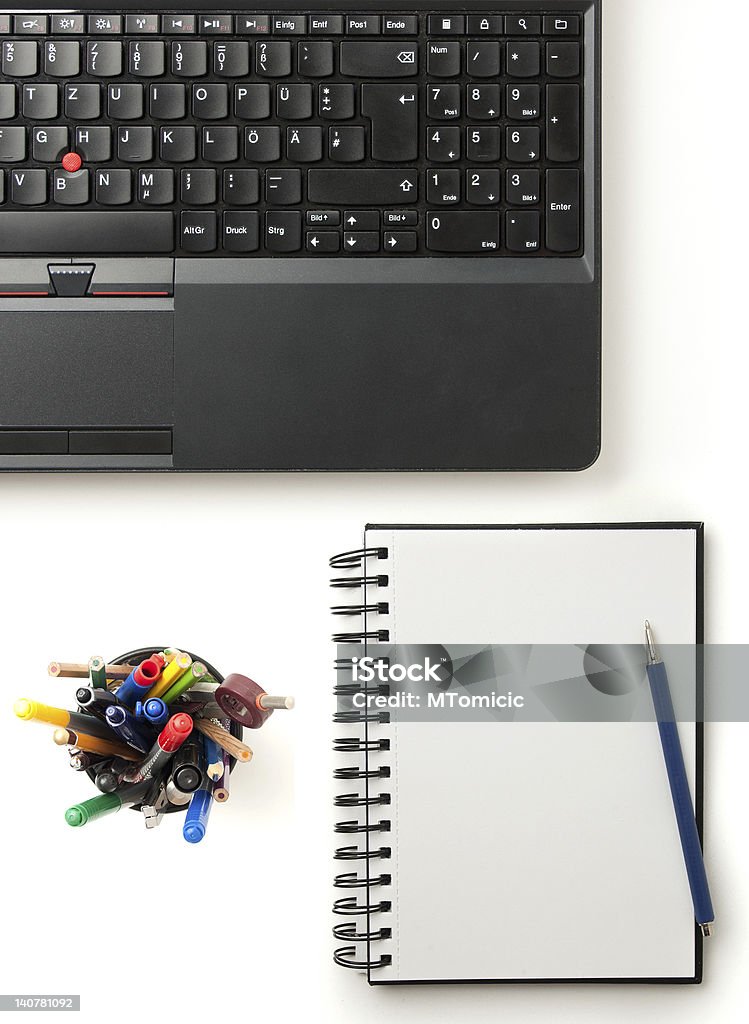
(136, 657)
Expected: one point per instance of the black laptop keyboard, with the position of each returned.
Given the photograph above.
(295, 134)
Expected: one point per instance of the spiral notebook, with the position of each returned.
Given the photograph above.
(524, 852)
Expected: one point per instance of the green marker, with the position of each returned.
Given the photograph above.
(106, 803)
(196, 673)
(97, 671)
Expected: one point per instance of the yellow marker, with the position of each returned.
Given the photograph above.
(173, 671)
(27, 709)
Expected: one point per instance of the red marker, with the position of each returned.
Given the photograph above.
(71, 162)
(171, 737)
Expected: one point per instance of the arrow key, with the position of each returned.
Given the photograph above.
(322, 241)
(400, 241)
(361, 220)
(361, 241)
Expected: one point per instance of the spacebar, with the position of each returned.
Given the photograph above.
(86, 231)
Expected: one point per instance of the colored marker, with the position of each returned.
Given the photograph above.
(102, 769)
(172, 736)
(95, 701)
(97, 671)
(107, 781)
(93, 744)
(153, 711)
(139, 682)
(188, 766)
(106, 803)
(71, 670)
(173, 671)
(127, 727)
(196, 673)
(32, 709)
(196, 819)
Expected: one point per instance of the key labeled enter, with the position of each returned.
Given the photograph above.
(394, 113)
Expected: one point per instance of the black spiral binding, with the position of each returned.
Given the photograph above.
(367, 801)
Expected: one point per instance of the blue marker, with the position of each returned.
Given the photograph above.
(128, 728)
(152, 711)
(196, 819)
(139, 682)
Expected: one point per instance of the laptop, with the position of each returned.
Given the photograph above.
(292, 238)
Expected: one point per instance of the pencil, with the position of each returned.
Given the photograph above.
(98, 672)
(224, 739)
(173, 671)
(73, 670)
(221, 786)
(214, 758)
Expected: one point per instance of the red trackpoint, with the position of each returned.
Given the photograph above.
(71, 162)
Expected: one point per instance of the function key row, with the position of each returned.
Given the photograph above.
(210, 24)
(287, 24)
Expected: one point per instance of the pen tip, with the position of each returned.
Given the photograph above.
(650, 643)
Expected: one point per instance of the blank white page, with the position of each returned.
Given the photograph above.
(536, 850)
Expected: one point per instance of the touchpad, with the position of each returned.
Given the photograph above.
(86, 368)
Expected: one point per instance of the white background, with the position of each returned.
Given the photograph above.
(235, 567)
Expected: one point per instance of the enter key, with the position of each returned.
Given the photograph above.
(394, 113)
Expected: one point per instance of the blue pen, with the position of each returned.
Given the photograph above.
(135, 733)
(153, 711)
(679, 783)
(196, 819)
